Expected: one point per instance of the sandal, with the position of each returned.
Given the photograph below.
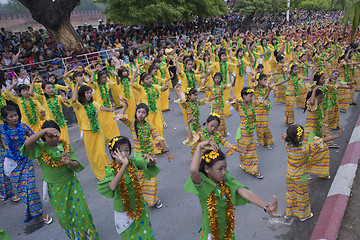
(334, 145)
(15, 198)
(165, 125)
(270, 147)
(48, 219)
(259, 176)
(306, 218)
(257, 143)
(158, 204)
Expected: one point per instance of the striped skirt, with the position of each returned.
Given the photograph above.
(23, 178)
(263, 132)
(71, 209)
(344, 98)
(289, 108)
(280, 92)
(149, 189)
(297, 198)
(249, 161)
(334, 118)
(300, 100)
(222, 127)
(319, 162)
(5, 183)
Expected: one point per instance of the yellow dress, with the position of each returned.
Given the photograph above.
(2, 103)
(58, 111)
(26, 104)
(226, 68)
(106, 119)
(155, 115)
(118, 91)
(239, 81)
(93, 141)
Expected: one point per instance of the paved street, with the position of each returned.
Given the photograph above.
(180, 217)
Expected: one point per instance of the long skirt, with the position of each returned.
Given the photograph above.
(23, 179)
(333, 117)
(249, 161)
(280, 93)
(149, 189)
(222, 127)
(139, 229)
(5, 183)
(108, 125)
(344, 98)
(297, 198)
(157, 120)
(289, 108)
(300, 100)
(95, 151)
(263, 132)
(319, 162)
(226, 106)
(239, 85)
(71, 209)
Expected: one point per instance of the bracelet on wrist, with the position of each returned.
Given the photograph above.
(166, 151)
(265, 208)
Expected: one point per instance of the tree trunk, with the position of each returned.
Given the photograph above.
(66, 35)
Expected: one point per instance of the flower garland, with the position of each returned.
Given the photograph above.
(268, 106)
(56, 111)
(32, 118)
(206, 65)
(326, 93)
(92, 115)
(224, 72)
(132, 65)
(126, 86)
(219, 102)
(306, 69)
(333, 100)
(320, 61)
(190, 79)
(295, 80)
(266, 56)
(140, 60)
(195, 112)
(104, 94)
(125, 194)
(162, 72)
(144, 149)
(255, 57)
(9, 141)
(288, 48)
(249, 130)
(242, 67)
(347, 75)
(230, 216)
(2, 101)
(111, 68)
(151, 95)
(320, 116)
(47, 159)
(216, 137)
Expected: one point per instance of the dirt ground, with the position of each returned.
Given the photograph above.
(350, 226)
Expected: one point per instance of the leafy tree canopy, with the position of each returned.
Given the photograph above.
(147, 12)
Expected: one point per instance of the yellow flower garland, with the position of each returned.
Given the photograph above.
(47, 159)
(124, 192)
(230, 216)
(299, 132)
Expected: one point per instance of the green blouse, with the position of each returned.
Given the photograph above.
(203, 191)
(52, 174)
(104, 189)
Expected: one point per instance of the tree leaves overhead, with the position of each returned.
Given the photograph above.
(147, 12)
(352, 15)
(251, 7)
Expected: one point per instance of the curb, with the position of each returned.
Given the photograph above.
(332, 213)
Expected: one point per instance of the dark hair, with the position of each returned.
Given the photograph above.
(78, 74)
(317, 77)
(43, 86)
(239, 50)
(262, 76)
(81, 93)
(23, 86)
(191, 91)
(293, 67)
(279, 57)
(120, 140)
(100, 75)
(259, 66)
(291, 135)
(308, 96)
(211, 118)
(6, 110)
(49, 124)
(244, 91)
(144, 106)
(143, 76)
(218, 74)
(210, 164)
(151, 68)
(52, 75)
(221, 52)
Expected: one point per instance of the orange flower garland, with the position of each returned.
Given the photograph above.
(124, 192)
(47, 159)
(230, 216)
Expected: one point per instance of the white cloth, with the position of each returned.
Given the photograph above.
(9, 166)
(122, 221)
(45, 192)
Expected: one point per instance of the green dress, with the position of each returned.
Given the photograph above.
(65, 192)
(203, 191)
(125, 226)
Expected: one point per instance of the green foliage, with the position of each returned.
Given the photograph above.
(251, 7)
(147, 12)
(352, 15)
